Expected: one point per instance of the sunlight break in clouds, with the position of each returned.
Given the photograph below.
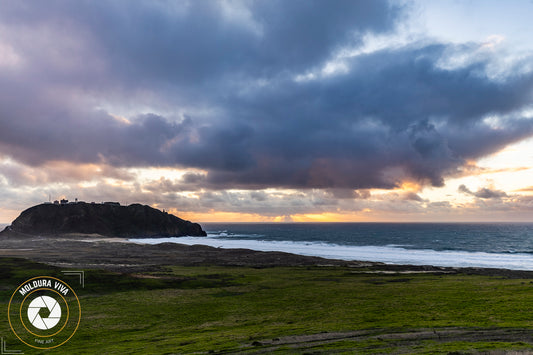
(269, 110)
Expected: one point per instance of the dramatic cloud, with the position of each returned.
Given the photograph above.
(247, 95)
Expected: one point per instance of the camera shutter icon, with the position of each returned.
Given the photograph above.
(34, 312)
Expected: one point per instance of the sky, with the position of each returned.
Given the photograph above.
(270, 110)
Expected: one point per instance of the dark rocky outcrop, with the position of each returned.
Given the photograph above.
(109, 219)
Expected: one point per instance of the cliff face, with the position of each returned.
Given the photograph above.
(106, 219)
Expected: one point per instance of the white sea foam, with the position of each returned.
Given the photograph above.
(392, 254)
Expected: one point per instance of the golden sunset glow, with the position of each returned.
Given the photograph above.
(393, 111)
(226, 217)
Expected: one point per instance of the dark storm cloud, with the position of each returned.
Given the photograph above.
(225, 75)
(396, 115)
(190, 42)
(98, 138)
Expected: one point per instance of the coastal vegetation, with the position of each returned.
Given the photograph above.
(311, 309)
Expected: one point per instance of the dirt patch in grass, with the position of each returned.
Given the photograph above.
(399, 340)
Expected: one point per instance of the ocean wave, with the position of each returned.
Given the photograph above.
(226, 234)
(392, 254)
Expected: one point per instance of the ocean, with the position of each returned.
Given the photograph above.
(490, 245)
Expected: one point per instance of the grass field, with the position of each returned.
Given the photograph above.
(286, 309)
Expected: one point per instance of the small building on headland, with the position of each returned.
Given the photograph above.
(66, 202)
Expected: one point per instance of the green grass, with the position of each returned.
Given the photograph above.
(231, 309)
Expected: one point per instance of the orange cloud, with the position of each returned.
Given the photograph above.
(225, 217)
(472, 169)
(410, 186)
(525, 189)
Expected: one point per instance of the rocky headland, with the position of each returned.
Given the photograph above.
(105, 219)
